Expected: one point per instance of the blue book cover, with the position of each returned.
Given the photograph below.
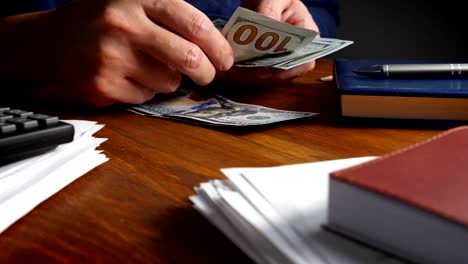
(398, 101)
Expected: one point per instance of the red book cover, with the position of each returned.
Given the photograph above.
(432, 175)
(412, 202)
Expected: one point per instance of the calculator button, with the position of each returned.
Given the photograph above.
(4, 118)
(6, 128)
(18, 113)
(23, 123)
(3, 109)
(44, 119)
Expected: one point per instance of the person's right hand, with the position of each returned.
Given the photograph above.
(100, 52)
(293, 12)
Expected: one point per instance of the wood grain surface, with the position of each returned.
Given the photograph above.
(135, 208)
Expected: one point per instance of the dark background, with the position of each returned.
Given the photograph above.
(403, 29)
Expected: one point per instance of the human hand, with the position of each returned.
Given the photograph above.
(100, 52)
(289, 11)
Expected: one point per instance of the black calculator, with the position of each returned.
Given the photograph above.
(24, 134)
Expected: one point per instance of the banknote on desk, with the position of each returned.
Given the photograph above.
(260, 41)
(187, 106)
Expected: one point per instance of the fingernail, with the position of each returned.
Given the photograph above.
(227, 64)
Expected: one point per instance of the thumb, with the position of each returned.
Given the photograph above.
(273, 9)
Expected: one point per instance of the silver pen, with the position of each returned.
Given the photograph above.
(446, 70)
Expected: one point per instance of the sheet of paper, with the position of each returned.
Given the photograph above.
(290, 199)
(27, 183)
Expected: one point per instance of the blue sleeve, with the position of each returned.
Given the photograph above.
(324, 12)
(14, 7)
(326, 15)
(216, 8)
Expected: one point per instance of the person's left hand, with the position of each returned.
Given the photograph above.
(289, 11)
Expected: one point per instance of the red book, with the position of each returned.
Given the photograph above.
(412, 202)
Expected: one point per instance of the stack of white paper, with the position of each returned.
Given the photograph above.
(277, 214)
(27, 183)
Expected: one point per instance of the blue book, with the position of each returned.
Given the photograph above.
(411, 101)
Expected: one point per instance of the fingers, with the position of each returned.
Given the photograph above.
(176, 52)
(191, 43)
(299, 15)
(195, 26)
(135, 92)
(273, 9)
(153, 74)
(289, 11)
(296, 71)
(263, 76)
(108, 90)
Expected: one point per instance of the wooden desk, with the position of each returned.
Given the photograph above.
(135, 207)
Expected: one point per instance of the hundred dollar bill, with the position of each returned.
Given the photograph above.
(254, 36)
(217, 111)
(257, 41)
(303, 56)
(317, 48)
(165, 104)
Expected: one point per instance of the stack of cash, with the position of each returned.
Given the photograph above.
(260, 41)
(216, 111)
